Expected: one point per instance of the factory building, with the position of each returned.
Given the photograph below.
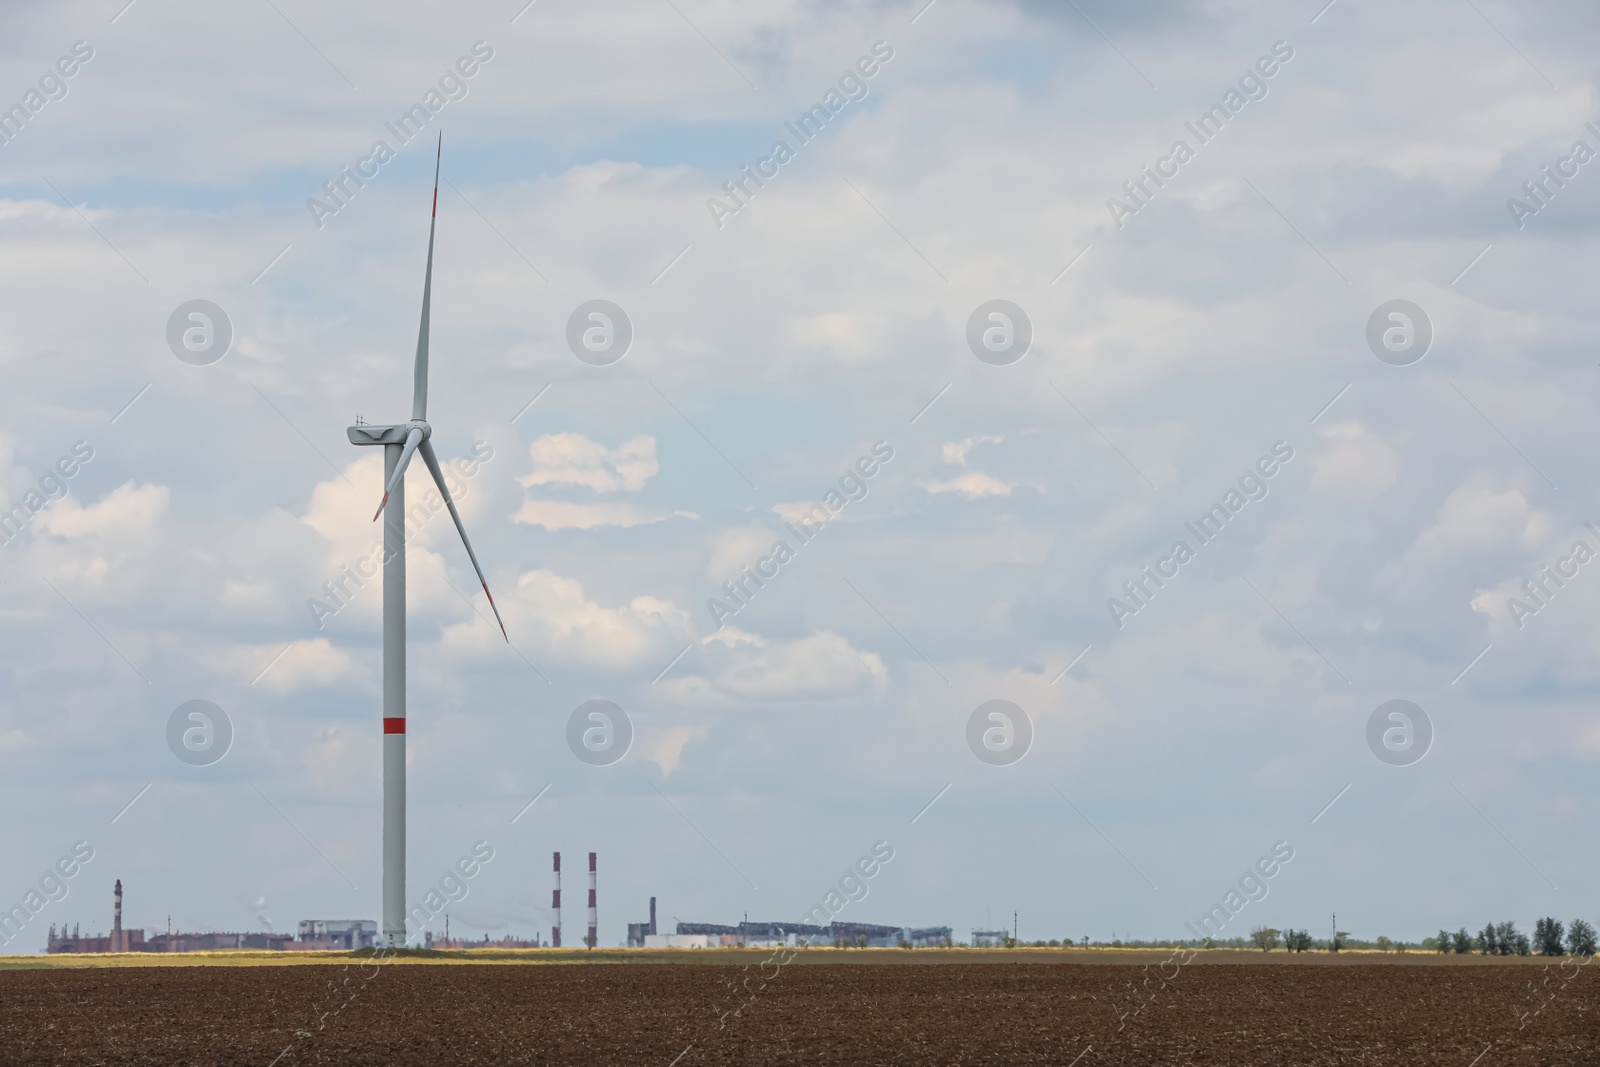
(681, 941)
(989, 938)
(65, 942)
(637, 932)
(314, 935)
(508, 941)
(335, 934)
(120, 940)
(216, 942)
(771, 934)
(929, 936)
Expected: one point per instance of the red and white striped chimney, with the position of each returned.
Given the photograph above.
(555, 906)
(593, 925)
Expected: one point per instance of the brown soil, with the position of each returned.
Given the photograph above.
(1017, 1013)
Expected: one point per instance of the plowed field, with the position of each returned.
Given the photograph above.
(655, 1016)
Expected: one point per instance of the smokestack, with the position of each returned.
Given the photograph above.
(555, 906)
(116, 920)
(592, 924)
(652, 915)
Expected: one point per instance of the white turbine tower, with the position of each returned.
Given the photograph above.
(399, 443)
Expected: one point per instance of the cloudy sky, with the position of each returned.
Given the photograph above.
(1188, 334)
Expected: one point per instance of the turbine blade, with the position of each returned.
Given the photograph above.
(438, 479)
(413, 439)
(419, 388)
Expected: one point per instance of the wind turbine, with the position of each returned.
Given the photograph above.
(399, 444)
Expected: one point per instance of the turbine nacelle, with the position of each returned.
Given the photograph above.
(368, 434)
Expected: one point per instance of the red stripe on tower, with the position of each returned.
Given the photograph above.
(555, 906)
(394, 726)
(593, 925)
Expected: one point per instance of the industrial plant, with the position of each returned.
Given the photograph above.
(344, 935)
(313, 935)
(772, 935)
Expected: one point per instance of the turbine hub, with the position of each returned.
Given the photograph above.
(420, 424)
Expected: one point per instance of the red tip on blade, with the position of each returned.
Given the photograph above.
(381, 505)
(496, 612)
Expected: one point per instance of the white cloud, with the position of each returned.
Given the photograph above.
(807, 512)
(972, 485)
(665, 750)
(129, 509)
(306, 664)
(554, 616)
(1359, 464)
(1477, 518)
(342, 507)
(956, 451)
(573, 459)
(820, 665)
(566, 515)
(853, 336)
(733, 549)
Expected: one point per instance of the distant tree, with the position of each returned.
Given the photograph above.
(1461, 941)
(1339, 938)
(1547, 937)
(1443, 942)
(1580, 938)
(1296, 940)
(1511, 941)
(1383, 943)
(1264, 938)
(1488, 942)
